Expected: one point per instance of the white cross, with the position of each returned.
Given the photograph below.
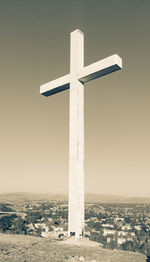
(75, 81)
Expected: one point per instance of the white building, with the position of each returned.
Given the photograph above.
(119, 219)
(108, 239)
(121, 241)
(107, 225)
(138, 227)
(40, 225)
(122, 233)
(126, 227)
(108, 232)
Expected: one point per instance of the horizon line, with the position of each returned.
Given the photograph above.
(66, 194)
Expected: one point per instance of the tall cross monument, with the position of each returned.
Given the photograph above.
(79, 75)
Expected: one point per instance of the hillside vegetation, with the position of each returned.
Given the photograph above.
(20, 248)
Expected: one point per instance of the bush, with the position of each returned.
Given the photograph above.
(19, 226)
(33, 217)
(128, 246)
(6, 222)
(98, 238)
(5, 208)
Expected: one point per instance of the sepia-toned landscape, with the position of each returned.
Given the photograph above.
(34, 228)
(49, 46)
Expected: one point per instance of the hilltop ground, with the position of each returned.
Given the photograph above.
(20, 248)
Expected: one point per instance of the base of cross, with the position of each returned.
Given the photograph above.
(84, 241)
(76, 234)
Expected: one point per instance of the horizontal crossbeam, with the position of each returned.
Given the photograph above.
(55, 86)
(93, 71)
(100, 68)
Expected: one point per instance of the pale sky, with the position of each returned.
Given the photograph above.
(34, 140)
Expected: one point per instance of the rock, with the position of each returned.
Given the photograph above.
(66, 257)
(82, 258)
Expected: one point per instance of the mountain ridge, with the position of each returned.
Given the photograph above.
(95, 198)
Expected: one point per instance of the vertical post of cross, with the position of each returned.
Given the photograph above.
(76, 137)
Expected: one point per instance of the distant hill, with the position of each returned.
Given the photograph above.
(21, 196)
(95, 198)
(92, 198)
(115, 199)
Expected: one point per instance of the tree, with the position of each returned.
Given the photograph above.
(143, 230)
(145, 248)
(112, 245)
(19, 226)
(128, 246)
(33, 217)
(5, 207)
(6, 222)
(94, 236)
(127, 220)
(97, 226)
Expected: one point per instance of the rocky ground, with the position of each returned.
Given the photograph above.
(20, 248)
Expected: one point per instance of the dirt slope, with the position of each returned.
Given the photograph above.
(17, 248)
